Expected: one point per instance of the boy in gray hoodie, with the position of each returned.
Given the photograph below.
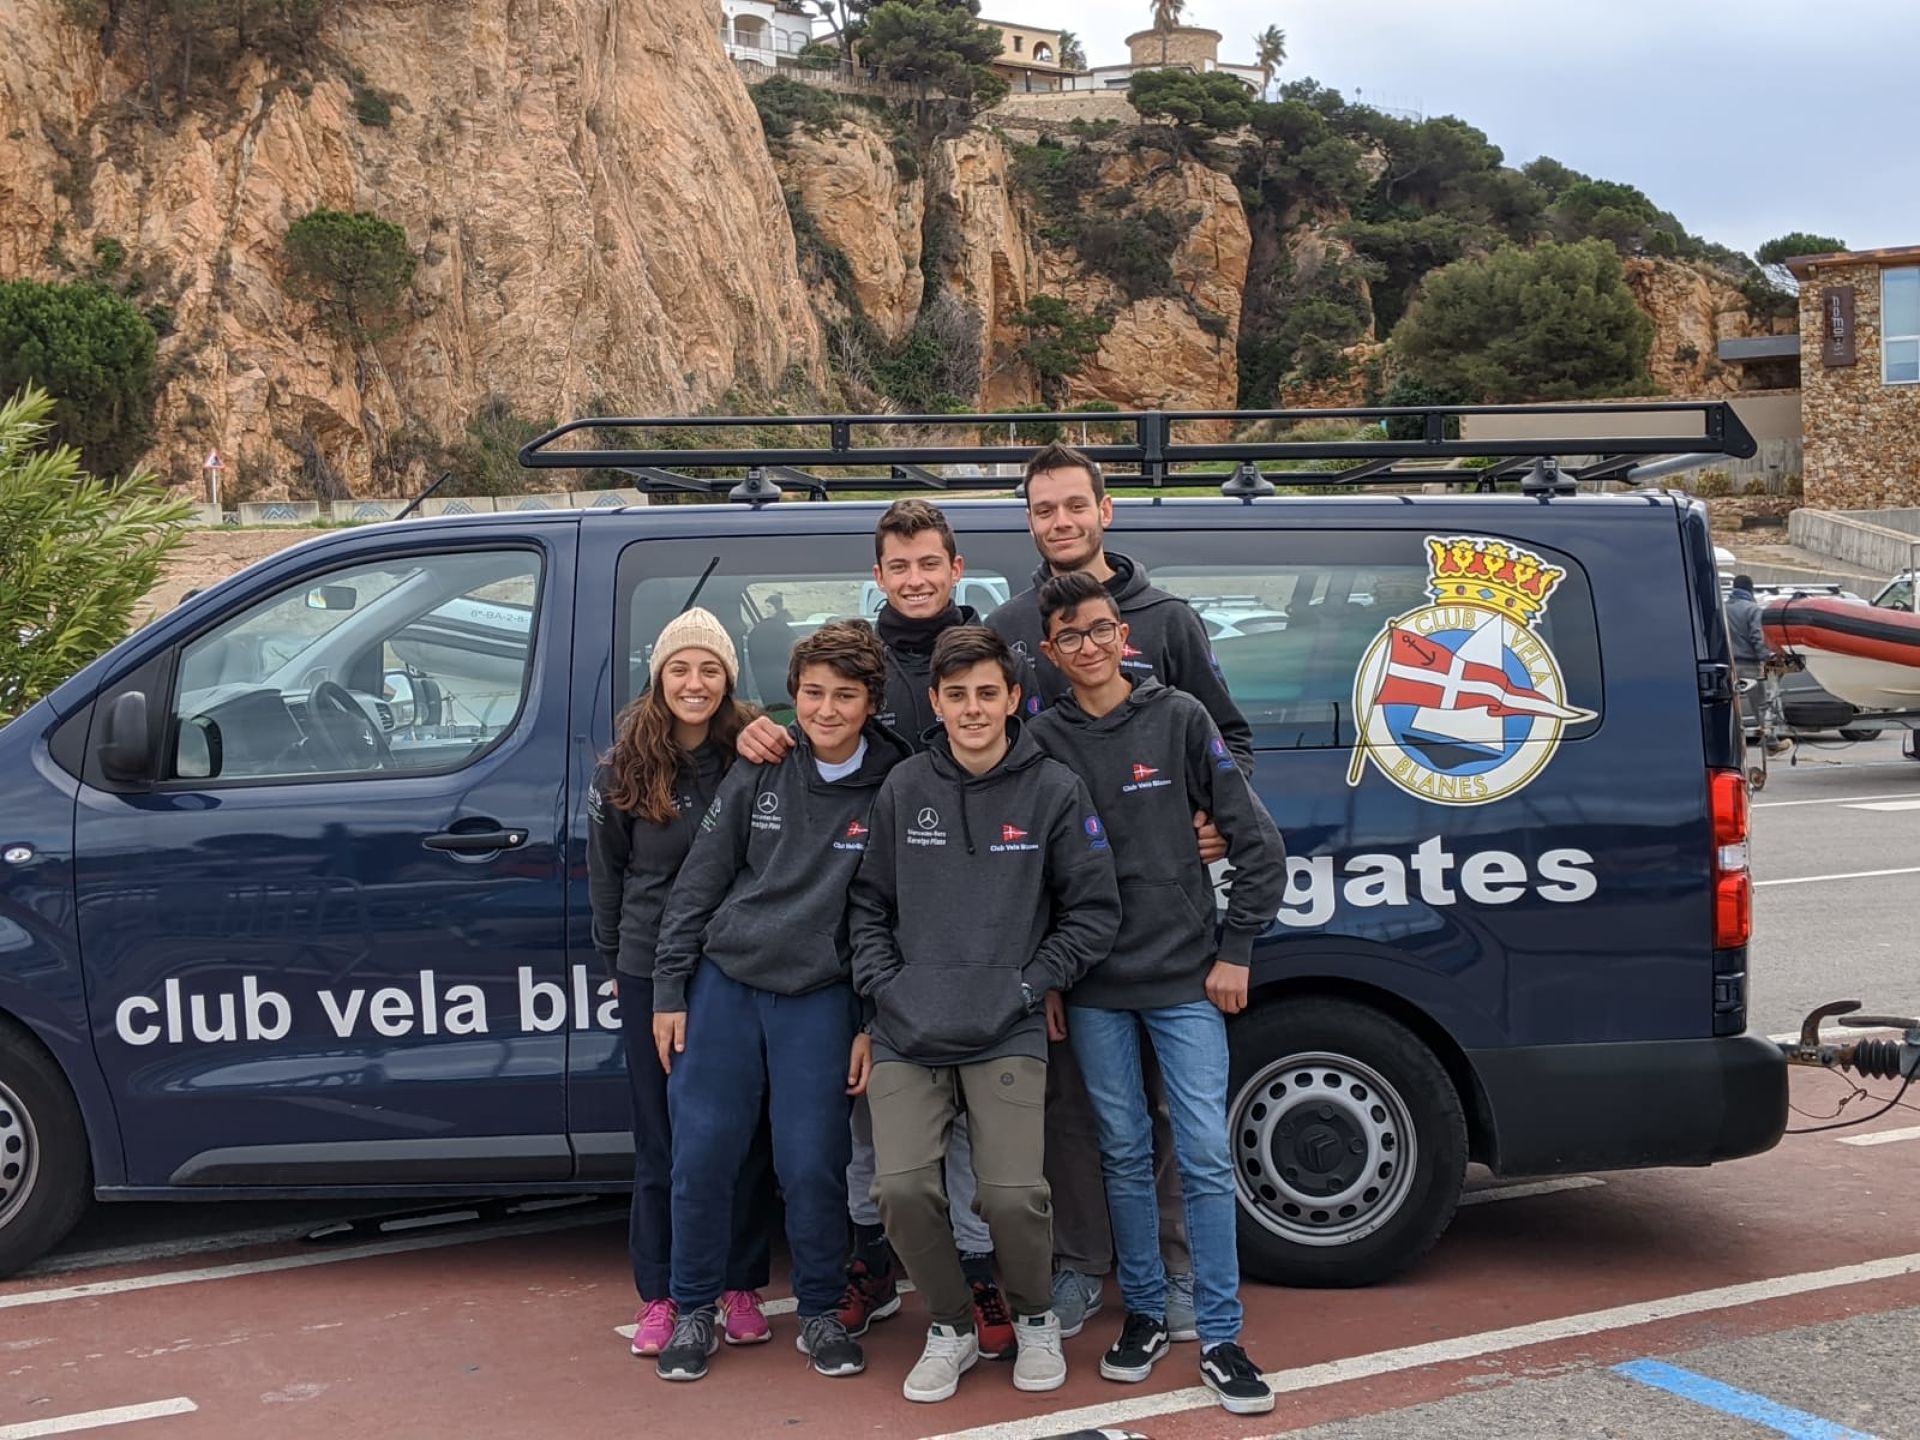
(987, 883)
(1150, 756)
(752, 996)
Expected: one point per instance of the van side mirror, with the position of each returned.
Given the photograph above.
(126, 745)
(332, 597)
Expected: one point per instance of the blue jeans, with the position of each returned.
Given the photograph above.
(650, 1219)
(1190, 1042)
(743, 1045)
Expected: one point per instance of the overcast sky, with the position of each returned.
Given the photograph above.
(1746, 118)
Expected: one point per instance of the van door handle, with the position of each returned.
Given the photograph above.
(476, 842)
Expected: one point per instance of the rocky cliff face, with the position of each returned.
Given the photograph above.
(1693, 311)
(849, 181)
(1171, 350)
(584, 181)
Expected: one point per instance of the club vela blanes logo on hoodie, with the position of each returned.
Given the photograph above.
(1460, 701)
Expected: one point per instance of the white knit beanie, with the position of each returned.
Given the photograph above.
(695, 629)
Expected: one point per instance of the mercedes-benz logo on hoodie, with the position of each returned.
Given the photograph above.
(767, 803)
(929, 818)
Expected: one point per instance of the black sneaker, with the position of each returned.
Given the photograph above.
(825, 1341)
(1235, 1379)
(695, 1338)
(1131, 1358)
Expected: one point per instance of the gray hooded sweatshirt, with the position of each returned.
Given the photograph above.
(977, 895)
(1167, 643)
(763, 893)
(1149, 763)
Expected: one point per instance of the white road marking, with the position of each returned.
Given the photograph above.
(162, 1250)
(1883, 1137)
(1885, 805)
(1531, 1187)
(1830, 800)
(1462, 1347)
(97, 1419)
(1850, 875)
(94, 1289)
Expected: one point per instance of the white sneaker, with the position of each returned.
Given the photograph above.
(1039, 1365)
(948, 1356)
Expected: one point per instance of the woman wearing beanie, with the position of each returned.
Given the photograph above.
(671, 746)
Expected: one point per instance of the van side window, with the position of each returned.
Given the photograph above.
(770, 591)
(408, 664)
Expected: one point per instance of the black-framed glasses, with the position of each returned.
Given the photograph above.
(1101, 632)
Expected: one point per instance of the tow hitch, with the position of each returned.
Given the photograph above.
(1876, 1059)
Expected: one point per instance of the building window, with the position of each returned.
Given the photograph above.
(1043, 53)
(1016, 44)
(1900, 325)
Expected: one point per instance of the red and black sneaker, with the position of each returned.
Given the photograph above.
(992, 1321)
(872, 1294)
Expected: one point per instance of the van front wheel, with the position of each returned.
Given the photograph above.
(44, 1168)
(1349, 1143)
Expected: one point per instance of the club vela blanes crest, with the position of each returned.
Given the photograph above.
(1461, 701)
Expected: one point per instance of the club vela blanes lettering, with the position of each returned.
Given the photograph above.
(1318, 886)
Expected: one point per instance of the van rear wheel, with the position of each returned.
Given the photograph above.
(45, 1171)
(1349, 1143)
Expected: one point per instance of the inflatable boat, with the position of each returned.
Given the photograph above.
(1868, 656)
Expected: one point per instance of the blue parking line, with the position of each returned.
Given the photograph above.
(1742, 1404)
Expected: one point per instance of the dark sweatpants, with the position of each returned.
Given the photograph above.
(650, 1222)
(744, 1046)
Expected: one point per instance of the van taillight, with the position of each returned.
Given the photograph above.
(1732, 884)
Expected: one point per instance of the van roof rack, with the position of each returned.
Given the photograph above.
(1415, 443)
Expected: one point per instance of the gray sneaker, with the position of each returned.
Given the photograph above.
(1076, 1298)
(1182, 1323)
(1040, 1365)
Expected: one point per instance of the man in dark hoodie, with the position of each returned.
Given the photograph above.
(752, 996)
(1148, 755)
(916, 563)
(987, 884)
(1068, 514)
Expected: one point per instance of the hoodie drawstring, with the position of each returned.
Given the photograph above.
(966, 830)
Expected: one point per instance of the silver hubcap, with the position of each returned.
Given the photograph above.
(1324, 1149)
(19, 1155)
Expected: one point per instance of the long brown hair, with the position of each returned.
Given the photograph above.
(645, 760)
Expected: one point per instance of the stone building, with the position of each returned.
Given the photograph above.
(1860, 377)
(1186, 47)
(765, 31)
(1029, 56)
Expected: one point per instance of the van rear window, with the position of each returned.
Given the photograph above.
(1292, 615)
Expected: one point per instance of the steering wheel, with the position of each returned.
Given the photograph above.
(347, 731)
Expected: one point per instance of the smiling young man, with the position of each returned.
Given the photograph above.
(1149, 755)
(987, 885)
(753, 997)
(1068, 514)
(917, 565)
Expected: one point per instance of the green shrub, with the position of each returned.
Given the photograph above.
(786, 104)
(371, 107)
(354, 268)
(75, 557)
(1554, 323)
(94, 353)
(1060, 341)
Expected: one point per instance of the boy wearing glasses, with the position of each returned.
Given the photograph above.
(1150, 756)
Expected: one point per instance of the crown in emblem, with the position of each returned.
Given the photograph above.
(1492, 574)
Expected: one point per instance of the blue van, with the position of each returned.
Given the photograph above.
(293, 894)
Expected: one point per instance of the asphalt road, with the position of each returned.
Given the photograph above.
(1826, 926)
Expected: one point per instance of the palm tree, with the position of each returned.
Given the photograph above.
(1073, 55)
(1269, 53)
(1166, 19)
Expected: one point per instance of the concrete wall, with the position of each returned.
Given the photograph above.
(1770, 415)
(1875, 548)
(1863, 435)
(1186, 45)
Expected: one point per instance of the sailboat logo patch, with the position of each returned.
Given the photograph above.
(1460, 701)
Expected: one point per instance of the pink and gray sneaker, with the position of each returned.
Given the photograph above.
(653, 1326)
(742, 1320)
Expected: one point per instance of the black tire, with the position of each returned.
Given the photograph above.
(46, 1175)
(1377, 1093)
(1854, 734)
